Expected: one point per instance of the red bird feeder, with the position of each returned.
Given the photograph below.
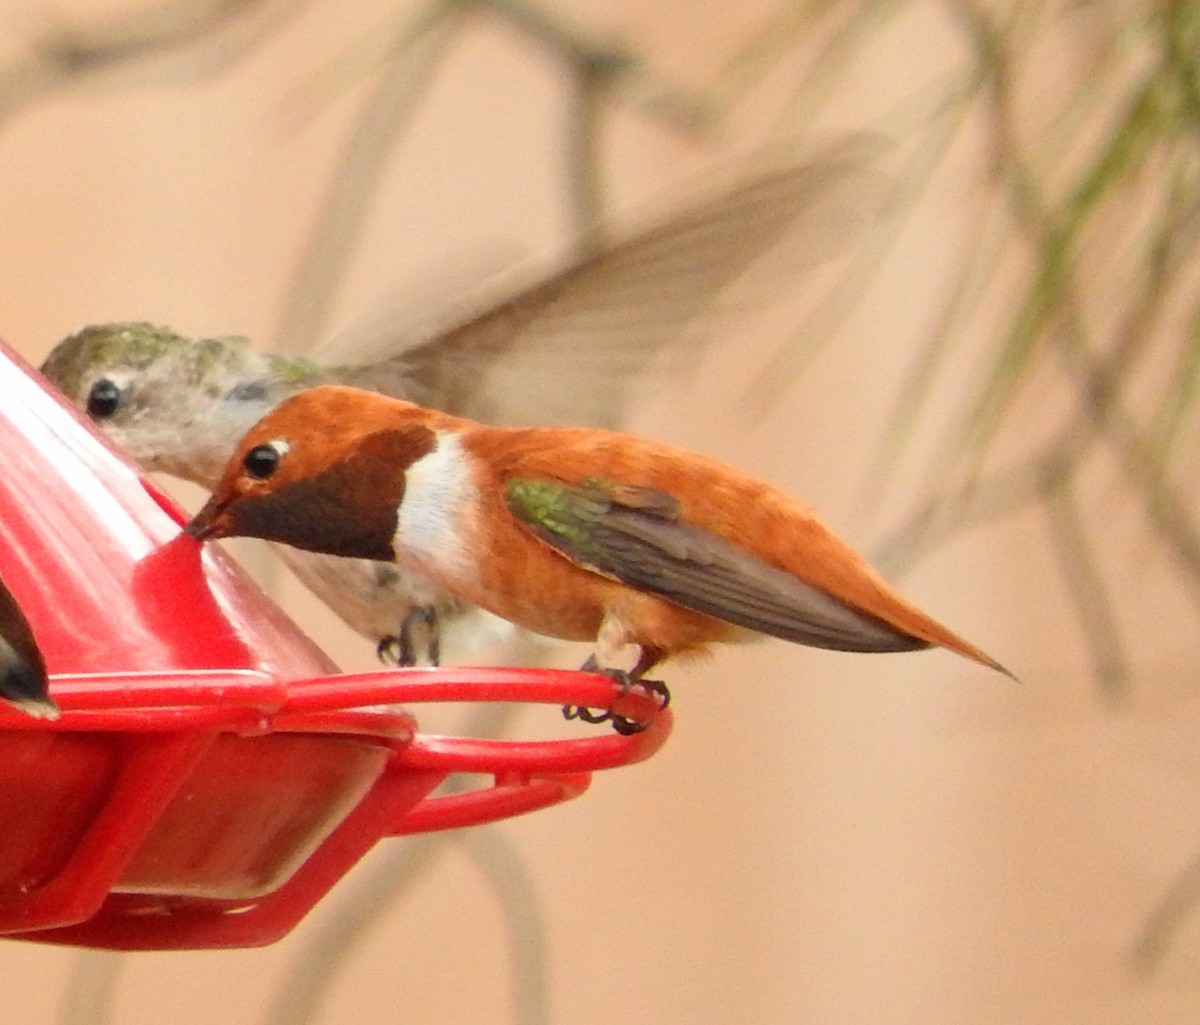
(212, 775)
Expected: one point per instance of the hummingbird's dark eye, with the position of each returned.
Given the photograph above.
(103, 400)
(263, 460)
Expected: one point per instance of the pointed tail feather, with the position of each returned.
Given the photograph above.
(902, 616)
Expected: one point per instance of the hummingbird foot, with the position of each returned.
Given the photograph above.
(657, 688)
(628, 681)
(388, 650)
(401, 649)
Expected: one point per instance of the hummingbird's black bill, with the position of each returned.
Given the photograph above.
(204, 524)
(199, 531)
(24, 686)
(23, 680)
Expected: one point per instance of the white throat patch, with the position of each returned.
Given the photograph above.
(435, 510)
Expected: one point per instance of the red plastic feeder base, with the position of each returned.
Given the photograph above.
(217, 810)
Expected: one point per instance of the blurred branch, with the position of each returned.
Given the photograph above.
(817, 329)
(65, 54)
(632, 79)
(91, 996)
(381, 887)
(1171, 913)
(598, 75)
(344, 926)
(325, 257)
(340, 933)
(1055, 315)
(504, 867)
(1092, 601)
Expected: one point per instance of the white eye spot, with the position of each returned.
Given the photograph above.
(263, 460)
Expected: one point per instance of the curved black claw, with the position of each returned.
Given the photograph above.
(658, 689)
(390, 651)
(585, 714)
(626, 727)
(401, 649)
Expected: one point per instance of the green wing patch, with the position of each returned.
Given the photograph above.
(636, 535)
(571, 517)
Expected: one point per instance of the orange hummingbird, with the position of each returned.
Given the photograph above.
(577, 533)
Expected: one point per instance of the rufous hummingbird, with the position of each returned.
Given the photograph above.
(576, 533)
(567, 346)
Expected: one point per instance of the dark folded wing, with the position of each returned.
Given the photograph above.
(643, 543)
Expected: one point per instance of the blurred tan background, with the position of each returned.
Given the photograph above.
(825, 838)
